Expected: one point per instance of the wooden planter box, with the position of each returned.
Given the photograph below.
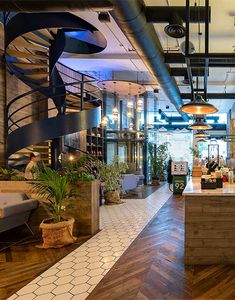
(85, 211)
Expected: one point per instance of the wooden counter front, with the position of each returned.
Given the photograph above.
(209, 224)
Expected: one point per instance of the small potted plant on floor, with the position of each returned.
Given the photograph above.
(110, 176)
(54, 190)
(158, 161)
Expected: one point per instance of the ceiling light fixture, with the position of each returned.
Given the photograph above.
(129, 114)
(201, 134)
(200, 124)
(104, 121)
(198, 107)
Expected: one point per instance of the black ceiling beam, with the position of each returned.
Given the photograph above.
(183, 71)
(163, 14)
(212, 96)
(56, 6)
(218, 60)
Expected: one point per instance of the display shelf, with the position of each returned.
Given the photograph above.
(95, 143)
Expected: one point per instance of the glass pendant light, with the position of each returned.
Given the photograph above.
(198, 107)
(130, 104)
(104, 121)
(201, 134)
(129, 114)
(200, 124)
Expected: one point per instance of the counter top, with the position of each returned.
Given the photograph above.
(193, 188)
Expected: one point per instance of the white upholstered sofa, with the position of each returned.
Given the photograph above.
(15, 209)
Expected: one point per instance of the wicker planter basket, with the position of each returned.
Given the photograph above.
(112, 197)
(57, 235)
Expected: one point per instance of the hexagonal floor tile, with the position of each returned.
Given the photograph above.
(47, 296)
(61, 289)
(108, 259)
(66, 265)
(80, 288)
(45, 289)
(28, 289)
(47, 280)
(94, 265)
(95, 280)
(80, 279)
(80, 265)
(80, 272)
(95, 272)
(64, 279)
(66, 296)
(65, 272)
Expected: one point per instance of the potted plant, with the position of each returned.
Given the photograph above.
(9, 174)
(110, 175)
(54, 189)
(158, 161)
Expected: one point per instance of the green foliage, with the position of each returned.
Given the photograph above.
(158, 158)
(55, 189)
(111, 174)
(84, 169)
(9, 174)
(194, 151)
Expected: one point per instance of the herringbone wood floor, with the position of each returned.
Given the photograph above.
(153, 268)
(22, 262)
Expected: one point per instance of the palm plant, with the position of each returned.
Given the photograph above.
(55, 189)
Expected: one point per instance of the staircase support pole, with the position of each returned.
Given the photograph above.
(55, 153)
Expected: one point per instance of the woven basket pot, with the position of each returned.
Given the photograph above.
(112, 197)
(57, 235)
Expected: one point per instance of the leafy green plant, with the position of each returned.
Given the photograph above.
(111, 174)
(194, 151)
(158, 159)
(85, 168)
(54, 188)
(8, 174)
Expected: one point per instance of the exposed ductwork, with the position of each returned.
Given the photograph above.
(54, 5)
(130, 15)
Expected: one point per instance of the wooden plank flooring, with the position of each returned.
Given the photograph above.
(22, 262)
(153, 268)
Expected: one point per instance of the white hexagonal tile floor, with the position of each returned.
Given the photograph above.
(77, 274)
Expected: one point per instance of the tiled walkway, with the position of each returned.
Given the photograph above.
(76, 275)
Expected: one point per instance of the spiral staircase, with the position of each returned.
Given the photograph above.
(59, 100)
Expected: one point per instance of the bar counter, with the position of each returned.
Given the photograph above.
(209, 224)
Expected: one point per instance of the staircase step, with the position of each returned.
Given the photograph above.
(72, 98)
(21, 42)
(45, 84)
(21, 54)
(29, 66)
(32, 36)
(36, 76)
(46, 33)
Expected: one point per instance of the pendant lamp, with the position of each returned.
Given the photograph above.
(198, 107)
(200, 124)
(201, 134)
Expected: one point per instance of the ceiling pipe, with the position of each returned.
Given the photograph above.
(130, 16)
(54, 6)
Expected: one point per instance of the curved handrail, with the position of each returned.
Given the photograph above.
(48, 129)
(82, 86)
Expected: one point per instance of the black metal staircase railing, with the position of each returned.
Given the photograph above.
(66, 100)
